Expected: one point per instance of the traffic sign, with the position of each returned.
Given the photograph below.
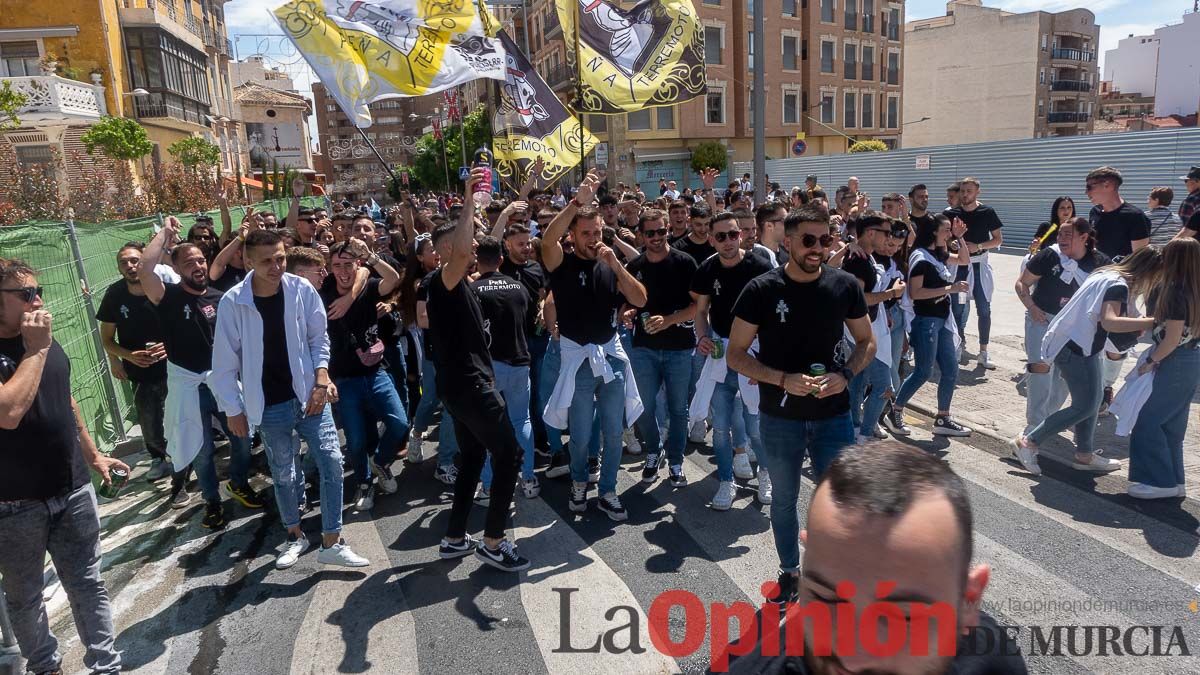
(464, 172)
(799, 147)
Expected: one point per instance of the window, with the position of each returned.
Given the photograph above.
(803, 50)
(827, 111)
(665, 117)
(36, 156)
(850, 61)
(714, 107)
(175, 74)
(1043, 42)
(1041, 108)
(868, 111)
(789, 7)
(19, 59)
(714, 36)
(598, 122)
(715, 3)
(868, 16)
(851, 15)
(750, 110)
(640, 120)
(827, 11)
(893, 69)
(791, 48)
(826, 56)
(868, 62)
(750, 50)
(1041, 76)
(851, 110)
(894, 24)
(791, 107)
(893, 112)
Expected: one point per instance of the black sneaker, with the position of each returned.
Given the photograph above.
(650, 468)
(244, 495)
(675, 475)
(448, 550)
(593, 469)
(789, 588)
(611, 505)
(503, 557)
(1108, 399)
(579, 496)
(542, 450)
(560, 465)
(893, 419)
(945, 425)
(214, 516)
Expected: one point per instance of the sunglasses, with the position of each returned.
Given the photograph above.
(811, 240)
(660, 232)
(726, 236)
(28, 293)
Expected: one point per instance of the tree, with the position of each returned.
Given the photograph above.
(10, 102)
(869, 146)
(431, 167)
(709, 154)
(195, 152)
(119, 138)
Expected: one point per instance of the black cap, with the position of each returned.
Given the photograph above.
(812, 177)
(1192, 174)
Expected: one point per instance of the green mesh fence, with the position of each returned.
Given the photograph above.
(106, 403)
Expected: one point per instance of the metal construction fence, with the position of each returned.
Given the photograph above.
(1020, 179)
(76, 263)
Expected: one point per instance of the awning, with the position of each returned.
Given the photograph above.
(651, 156)
(34, 33)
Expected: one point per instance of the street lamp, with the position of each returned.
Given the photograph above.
(137, 92)
(923, 119)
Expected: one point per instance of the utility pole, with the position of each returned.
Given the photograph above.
(760, 101)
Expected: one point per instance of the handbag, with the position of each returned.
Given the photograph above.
(372, 355)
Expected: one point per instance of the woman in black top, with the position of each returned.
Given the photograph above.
(1156, 444)
(1063, 211)
(933, 332)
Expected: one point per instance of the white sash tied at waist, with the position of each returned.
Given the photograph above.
(714, 371)
(574, 354)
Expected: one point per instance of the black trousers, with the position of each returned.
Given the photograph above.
(481, 424)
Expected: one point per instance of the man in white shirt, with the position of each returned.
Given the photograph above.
(672, 192)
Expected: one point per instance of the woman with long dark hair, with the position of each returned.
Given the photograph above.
(934, 335)
(1062, 211)
(1156, 444)
(1074, 342)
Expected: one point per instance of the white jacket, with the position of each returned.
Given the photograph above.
(986, 278)
(714, 371)
(1077, 320)
(238, 343)
(923, 255)
(1128, 402)
(573, 356)
(182, 423)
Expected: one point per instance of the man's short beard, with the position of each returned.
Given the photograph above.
(194, 286)
(803, 263)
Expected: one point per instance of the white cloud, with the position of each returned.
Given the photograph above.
(1096, 6)
(250, 16)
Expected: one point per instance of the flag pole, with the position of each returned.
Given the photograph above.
(377, 155)
(579, 97)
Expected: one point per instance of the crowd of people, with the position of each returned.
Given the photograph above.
(789, 326)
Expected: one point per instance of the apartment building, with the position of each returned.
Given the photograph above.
(984, 74)
(833, 73)
(1164, 65)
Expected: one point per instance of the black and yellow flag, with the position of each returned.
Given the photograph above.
(629, 59)
(531, 122)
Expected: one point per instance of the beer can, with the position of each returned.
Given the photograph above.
(816, 370)
(645, 318)
(718, 349)
(110, 490)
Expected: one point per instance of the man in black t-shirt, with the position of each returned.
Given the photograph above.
(893, 517)
(270, 371)
(505, 304)
(799, 313)
(983, 234)
(590, 285)
(466, 383)
(47, 505)
(520, 264)
(663, 340)
(677, 220)
(366, 393)
(696, 243)
(132, 338)
(187, 314)
(715, 287)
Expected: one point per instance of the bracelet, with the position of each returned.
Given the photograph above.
(373, 260)
(323, 387)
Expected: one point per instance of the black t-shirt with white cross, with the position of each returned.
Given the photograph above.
(863, 269)
(981, 222)
(137, 326)
(504, 302)
(799, 325)
(667, 284)
(188, 322)
(723, 285)
(357, 329)
(456, 334)
(1051, 293)
(699, 252)
(587, 297)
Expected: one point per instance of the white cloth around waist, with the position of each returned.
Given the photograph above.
(182, 421)
(574, 355)
(714, 371)
(1128, 402)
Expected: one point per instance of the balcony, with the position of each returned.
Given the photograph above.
(1067, 118)
(552, 26)
(166, 14)
(560, 77)
(1071, 85)
(170, 110)
(1072, 55)
(50, 99)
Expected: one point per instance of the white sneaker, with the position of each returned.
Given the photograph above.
(765, 491)
(340, 555)
(726, 491)
(292, 550)
(531, 487)
(985, 361)
(1143, 491)
(483, 496)
(386, 481)
(750, 453)
(877, 432)
(632, 445)
(697, 432)
(1182, 490)
(364, 500)
(414, 448)
(1026, 456)
(741, 467)
(859, 439)
(1098, 464)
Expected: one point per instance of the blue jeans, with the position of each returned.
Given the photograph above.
(281, 424)
(961, 311)
(741, 435)
(1084, 376)
(896, 314)
(1156, 444)
(393, 356)
(364, 402)
(513, 384)
(551, 365)
(931, 341)
(423, 417)
(205, 463)
(785, 443)
(865, 413)
(983, 307)
(593, 395)
(726, 407)
(672, 369)
(537, 352)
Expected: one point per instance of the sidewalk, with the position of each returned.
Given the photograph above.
(990, 403)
